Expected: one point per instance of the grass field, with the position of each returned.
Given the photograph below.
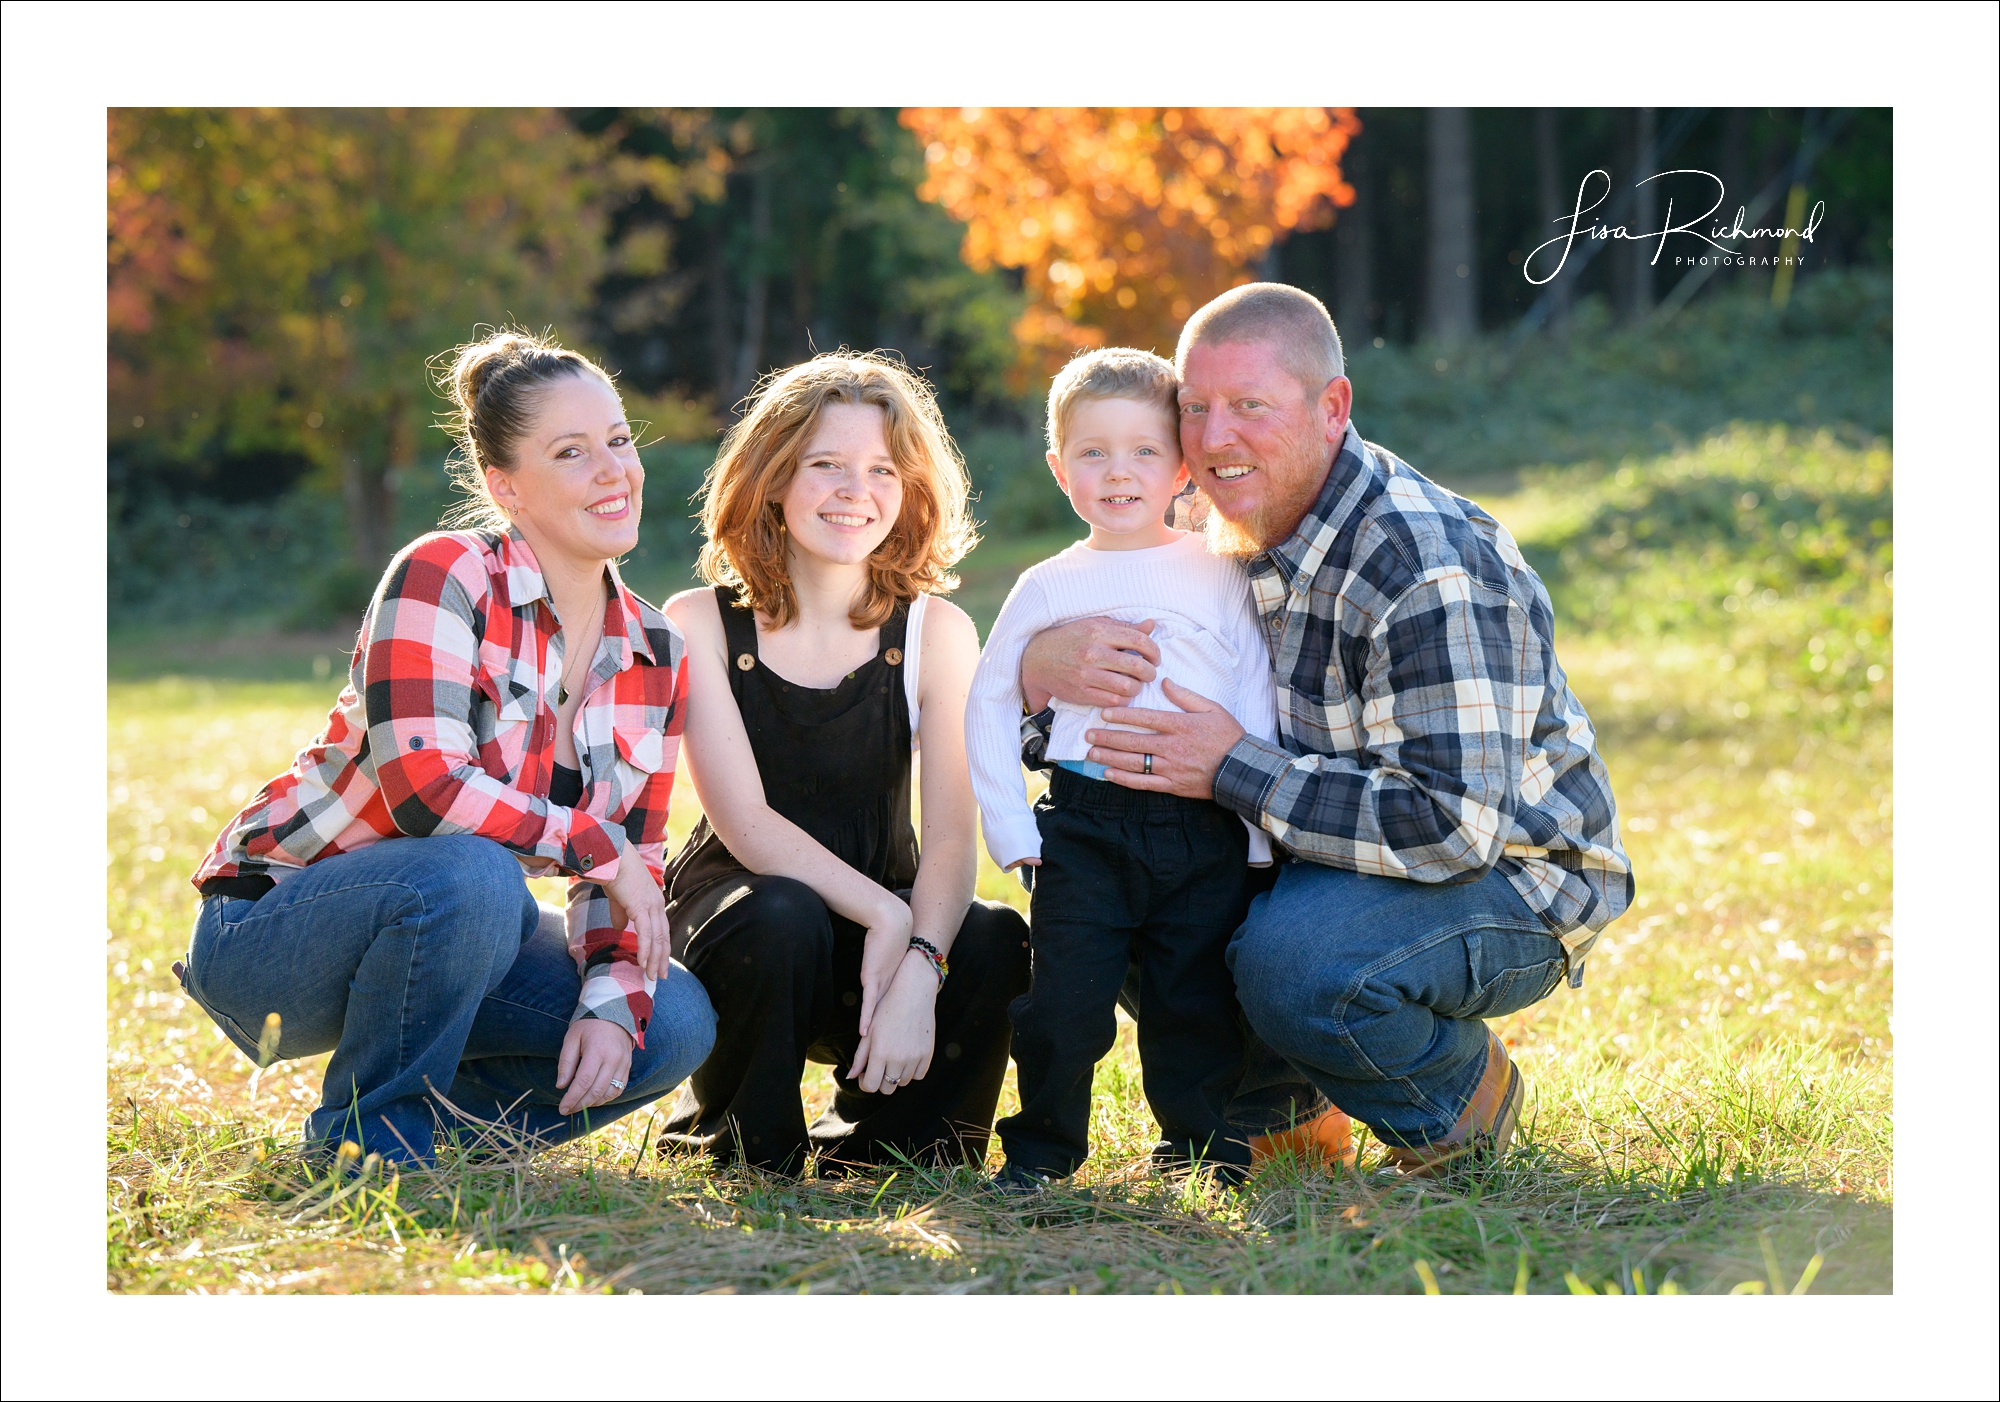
(1711, 1113)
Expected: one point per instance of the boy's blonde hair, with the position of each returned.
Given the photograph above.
(1113, 372)
(742, 512)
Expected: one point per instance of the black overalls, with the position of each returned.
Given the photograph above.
(784, 972)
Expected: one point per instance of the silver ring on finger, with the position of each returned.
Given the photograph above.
(617, 1085)
(1149, 764)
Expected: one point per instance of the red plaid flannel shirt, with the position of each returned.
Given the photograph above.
(447, 725)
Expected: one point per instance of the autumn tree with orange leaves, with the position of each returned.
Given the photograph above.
(1123, 220)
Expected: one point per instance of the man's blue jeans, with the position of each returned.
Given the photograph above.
(423, 964)
(1374, 987)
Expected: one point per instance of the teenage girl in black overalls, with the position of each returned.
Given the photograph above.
(802, 901)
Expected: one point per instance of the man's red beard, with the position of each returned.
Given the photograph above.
(1295, 486)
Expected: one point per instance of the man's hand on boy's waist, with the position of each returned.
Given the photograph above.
(1181, 754)
(1090, 662)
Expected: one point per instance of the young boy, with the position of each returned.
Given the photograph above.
(1122, 876)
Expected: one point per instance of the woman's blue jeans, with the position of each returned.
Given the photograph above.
(427, 968)
(1375, 988)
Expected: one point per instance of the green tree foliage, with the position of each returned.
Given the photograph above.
(278, 278)
(811, 237)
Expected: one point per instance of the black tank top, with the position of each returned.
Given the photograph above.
(836, 762)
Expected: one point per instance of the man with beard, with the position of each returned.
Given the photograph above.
(1449, 834)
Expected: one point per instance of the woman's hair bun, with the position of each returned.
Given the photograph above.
(493, 384)
(478, 362)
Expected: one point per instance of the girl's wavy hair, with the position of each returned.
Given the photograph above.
(494, 384)
(742, 495)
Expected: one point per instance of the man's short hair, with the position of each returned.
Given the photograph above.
(1113, 372)
(1293, 322)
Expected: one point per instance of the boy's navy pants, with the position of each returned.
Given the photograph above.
(1152, 882)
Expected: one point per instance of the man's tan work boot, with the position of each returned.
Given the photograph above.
(1483, 1131)
(1327, 1138)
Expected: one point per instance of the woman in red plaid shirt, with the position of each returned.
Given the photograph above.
(516, 707)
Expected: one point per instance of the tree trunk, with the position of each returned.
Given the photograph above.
(1354, 244)
(370, 481)
(805, 299)
(402, 461)
(750, 355)
(1645, 216)
(1554, 209)
(1735, 172)
(1454, 285)
(369, 489)
(721, 323)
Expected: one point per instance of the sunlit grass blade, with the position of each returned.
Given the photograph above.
(1771, 1263)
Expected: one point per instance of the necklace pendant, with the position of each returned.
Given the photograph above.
(562, 695)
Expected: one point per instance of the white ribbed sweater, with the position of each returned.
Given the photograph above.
(1209, 640)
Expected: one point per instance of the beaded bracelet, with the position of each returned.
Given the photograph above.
(930, 952)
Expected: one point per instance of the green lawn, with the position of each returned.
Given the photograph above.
(1710, 1113)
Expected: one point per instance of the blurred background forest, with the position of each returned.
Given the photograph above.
(279, 278)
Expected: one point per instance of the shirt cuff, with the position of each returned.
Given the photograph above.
(594, 848)
(1249, 772)
(618, 992)
(1014, 840)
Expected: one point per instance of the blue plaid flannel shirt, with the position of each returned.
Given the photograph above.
(1425, 728)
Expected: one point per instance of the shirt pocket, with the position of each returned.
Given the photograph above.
(642, 748)
(514, 696)
(638, 754)
(1321, 719)
(638, 717)
(503, 725)
(1330, 711)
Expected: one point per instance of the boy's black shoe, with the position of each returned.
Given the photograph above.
(1016, 1182)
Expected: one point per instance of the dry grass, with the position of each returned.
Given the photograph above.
(1710, 1113)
